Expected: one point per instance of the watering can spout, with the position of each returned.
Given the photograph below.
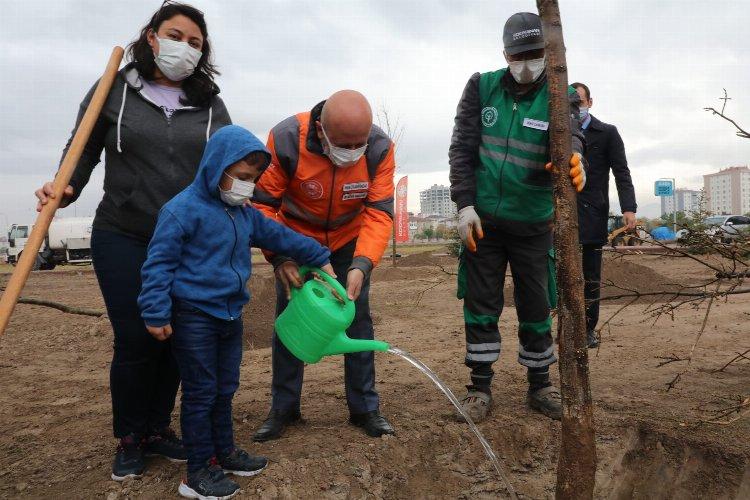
(341, 344)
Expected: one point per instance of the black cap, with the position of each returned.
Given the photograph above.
(523, 32)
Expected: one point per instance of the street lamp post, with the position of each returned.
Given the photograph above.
(674, 205)
(658, 192)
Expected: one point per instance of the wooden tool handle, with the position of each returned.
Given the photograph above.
(62, 179)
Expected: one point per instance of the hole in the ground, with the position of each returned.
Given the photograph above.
(654, 465)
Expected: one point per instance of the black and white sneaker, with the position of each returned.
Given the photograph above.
(165, 443)
(209, 483)
(128, 459)
(241, 463)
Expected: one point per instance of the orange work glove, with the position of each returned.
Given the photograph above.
(577, 172)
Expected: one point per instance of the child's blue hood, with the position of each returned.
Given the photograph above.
(226, 146)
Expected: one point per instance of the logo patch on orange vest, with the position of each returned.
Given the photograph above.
(313, 189)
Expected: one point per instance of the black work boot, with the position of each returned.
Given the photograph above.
(543, 397)
(165, 443)
(546, 401)
(592, 340)
(210, 482)
(128, 459)
(373, 423)
(275, 424)
(241, 463)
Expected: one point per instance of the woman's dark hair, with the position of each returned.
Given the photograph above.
(198, 87)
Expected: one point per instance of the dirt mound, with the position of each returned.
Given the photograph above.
(621, 272)
(386, 273)
(429, 266)
(431, 258)
(628, 274)
(259, 315)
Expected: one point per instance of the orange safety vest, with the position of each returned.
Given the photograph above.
(304, 190)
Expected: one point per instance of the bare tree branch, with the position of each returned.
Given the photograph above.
(673, 293)
(395, 131)
(422, 292)
(725, 99)
(738, 408)
(740, 132)
(736, 358)
(669, 359)
(62, 307)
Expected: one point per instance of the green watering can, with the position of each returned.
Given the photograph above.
(314, 323)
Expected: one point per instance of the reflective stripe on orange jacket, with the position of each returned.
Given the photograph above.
(305, 191)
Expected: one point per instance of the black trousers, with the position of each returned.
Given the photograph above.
(359, 367)
(144, 377)
(481, 279)
(592, 275)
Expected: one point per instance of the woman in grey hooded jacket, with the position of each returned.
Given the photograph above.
(153, 129)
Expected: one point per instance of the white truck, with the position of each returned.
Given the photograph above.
(68, 241)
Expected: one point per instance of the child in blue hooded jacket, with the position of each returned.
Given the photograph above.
(194, 288)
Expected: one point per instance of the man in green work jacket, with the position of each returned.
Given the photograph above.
(500, 180)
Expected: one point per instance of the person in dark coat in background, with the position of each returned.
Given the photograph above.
(605, 151)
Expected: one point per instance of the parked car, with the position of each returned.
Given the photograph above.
(726, 228)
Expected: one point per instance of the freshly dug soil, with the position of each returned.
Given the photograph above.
(56, 439)
(259, 315)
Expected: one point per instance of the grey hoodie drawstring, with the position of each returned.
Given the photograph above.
(119, 116)
(210, 116)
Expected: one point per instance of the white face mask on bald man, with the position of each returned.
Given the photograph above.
(341, 157)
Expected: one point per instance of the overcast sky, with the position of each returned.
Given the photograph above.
(651, 65)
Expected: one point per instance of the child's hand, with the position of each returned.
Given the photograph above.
(160, 332)
(288, 274)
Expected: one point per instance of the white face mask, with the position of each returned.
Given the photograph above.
(176, 60)
(526, 71)
(239, 193)
(341, 157)
(583, 112)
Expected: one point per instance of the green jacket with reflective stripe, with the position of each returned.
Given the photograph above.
(511, 182)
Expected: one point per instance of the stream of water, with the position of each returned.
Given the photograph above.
(449, 394)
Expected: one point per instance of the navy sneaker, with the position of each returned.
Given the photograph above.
(165, 443)
(209, 483)
(128, 459)
(241, 463)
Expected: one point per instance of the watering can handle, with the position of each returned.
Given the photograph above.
(333, 282)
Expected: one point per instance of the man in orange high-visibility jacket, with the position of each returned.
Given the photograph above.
(330, 178)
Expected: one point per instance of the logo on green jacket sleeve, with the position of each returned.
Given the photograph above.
(489, 116)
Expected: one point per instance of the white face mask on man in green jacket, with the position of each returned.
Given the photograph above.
(526, 71)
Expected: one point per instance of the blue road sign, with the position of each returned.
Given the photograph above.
(663, 188)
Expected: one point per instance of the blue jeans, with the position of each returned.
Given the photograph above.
(208, 351)
(359, 368)
(143, 377)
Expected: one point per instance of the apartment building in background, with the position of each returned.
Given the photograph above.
(728, 191)
(688, 200)
(436, 200)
